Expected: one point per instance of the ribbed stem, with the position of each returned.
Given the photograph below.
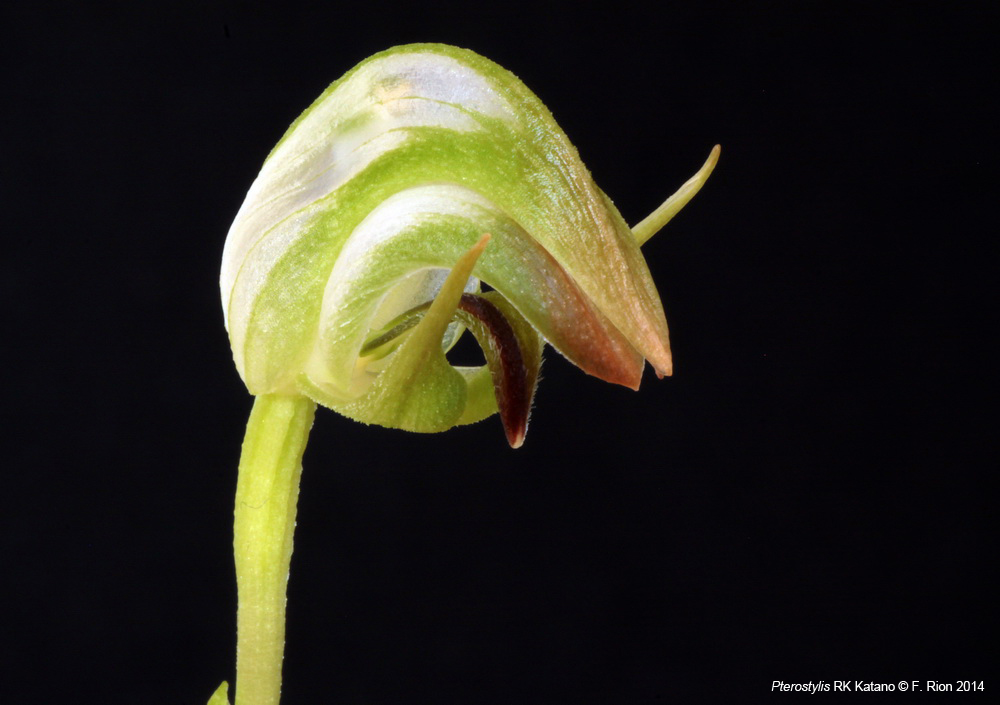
(266, 495)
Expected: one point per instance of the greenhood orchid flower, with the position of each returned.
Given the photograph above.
(361, 251)
(374, 194)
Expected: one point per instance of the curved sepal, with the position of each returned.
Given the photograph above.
(411, 116)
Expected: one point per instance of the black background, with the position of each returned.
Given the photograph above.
(804, 500)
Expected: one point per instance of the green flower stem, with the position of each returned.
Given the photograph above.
(266, 495)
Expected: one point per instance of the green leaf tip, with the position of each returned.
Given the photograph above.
(221, 696)
(377, 191)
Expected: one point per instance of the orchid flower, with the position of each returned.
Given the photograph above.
(359, 258)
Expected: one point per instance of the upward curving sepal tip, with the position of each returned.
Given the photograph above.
(654, 222)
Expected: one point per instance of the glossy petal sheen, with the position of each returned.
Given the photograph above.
(377, 190)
